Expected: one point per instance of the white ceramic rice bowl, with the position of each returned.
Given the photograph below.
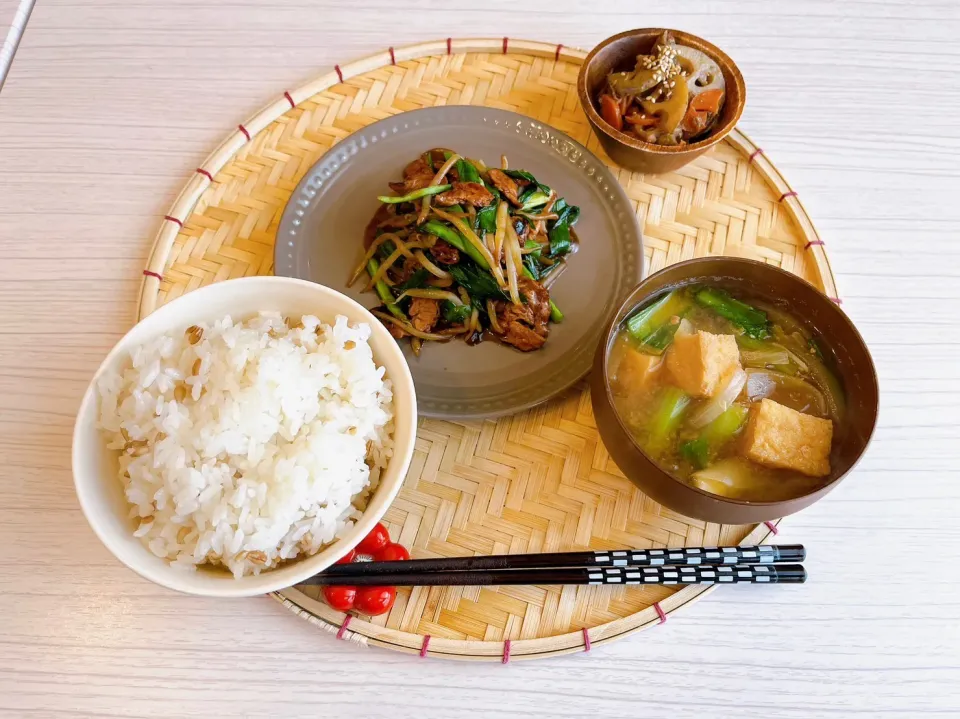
(95, 468)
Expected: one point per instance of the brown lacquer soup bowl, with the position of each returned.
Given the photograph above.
(836, 334)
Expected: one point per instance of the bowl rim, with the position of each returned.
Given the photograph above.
(715, 54)
(250, 585)
(608, 390)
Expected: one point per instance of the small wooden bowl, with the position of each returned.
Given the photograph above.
(854, 365)
(618, 53)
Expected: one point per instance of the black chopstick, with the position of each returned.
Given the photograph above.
(762, 554)
(688, 574)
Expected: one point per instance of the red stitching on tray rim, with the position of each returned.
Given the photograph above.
(772, 527)
(586, 640)
(506, 652)
(205, 173)
(505, 41)
(660, 612)
(339, 72)
(423, 647)
(245, 131)
(289, 98)
(811, 243)
(753, 155)
(343, 627)
(173, 219)
(559, 48)
(785, 195)
(449, 46)
(151, 273)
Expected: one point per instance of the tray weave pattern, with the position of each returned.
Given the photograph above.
(540, 480)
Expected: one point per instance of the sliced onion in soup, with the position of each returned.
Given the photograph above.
(728, 474)
(787, 390)
(760, 385)
(719, 403)
(753, 358)
(686, 328)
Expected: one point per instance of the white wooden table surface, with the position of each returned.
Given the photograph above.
(109, 106)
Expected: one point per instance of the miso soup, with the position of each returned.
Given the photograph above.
(728, 392)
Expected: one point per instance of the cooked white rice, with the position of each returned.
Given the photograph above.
(249, 444)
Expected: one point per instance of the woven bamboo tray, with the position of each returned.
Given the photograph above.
(540, 481)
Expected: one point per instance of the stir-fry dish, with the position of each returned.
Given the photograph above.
(466, 250)
(673, 96)
(735, 397)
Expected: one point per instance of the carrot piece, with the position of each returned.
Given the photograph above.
(610, 110)
(641, 121)
(708, 101)
(701, 108)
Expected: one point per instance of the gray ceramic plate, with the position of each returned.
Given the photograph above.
(320, 239)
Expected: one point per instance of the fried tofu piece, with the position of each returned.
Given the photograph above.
(782, 438)
(635, 371)
(700, 361)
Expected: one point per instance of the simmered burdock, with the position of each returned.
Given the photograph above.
(672, 96)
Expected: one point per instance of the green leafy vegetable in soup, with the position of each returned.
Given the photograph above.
(656, 325)
(751, 320)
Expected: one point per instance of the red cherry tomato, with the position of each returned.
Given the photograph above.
(374, 600)
(610, 110)
(340, 598)
(392, 553)
(348, 557)
(378, 538)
